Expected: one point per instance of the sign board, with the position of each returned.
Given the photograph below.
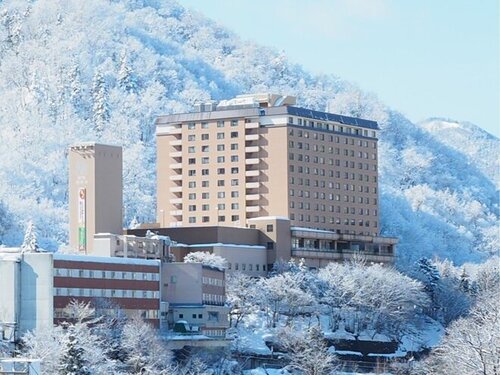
(82, 225)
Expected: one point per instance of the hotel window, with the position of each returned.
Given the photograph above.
(204, 148)
(192, 196)
(220, 183)
(204, 183)
(205, 195)
(205, 160)
(221, 194)
(204, 125)
(234, 146)
(192, 207)
(192, 220)
(220, 135)
(204, 172)
(235, 206)
(221, 171)
(204, 137)
(192, 172)
(191, 125)
(234, 122)
(205, 219)
(234, 170)
(234, 134)
(235, 217)
(269, 228)
(234, 158)
(220, 124)
(192, 161)
(191, 149)
(205, 207)
(234, 182)
(191, 137)
(235, 194)
(221, 219)
(220, 147)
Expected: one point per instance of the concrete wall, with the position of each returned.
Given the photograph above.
(205, 235)
(98, 169)
(10, 267)
(254, 258)
(182, 283)
(279, 235)
(36, 297)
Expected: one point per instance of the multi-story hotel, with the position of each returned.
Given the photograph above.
(306, 180)
(258, 155)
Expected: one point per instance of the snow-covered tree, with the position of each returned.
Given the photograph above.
(72, 361)
(30, 242)
(241, 296)
(100, 102)
(307, 352)
(46, 344)
(471, 344)
(145, 353)
(282, 294)
(126, 78)
(206, 258)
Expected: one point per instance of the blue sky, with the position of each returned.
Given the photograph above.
(424, 58)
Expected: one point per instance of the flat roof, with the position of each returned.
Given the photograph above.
(265, 111)
(109, 260)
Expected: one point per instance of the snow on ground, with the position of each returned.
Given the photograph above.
(251, 333)
(428, 335)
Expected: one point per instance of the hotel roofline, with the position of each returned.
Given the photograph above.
(244, 110)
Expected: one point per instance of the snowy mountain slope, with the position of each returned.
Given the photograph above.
(480, 147)
(102, 70)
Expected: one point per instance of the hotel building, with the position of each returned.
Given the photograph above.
(261, 157)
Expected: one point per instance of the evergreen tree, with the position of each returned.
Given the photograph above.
(30, 243)
(430, 273)
(100, 104)
(126, 78)
(72, 362)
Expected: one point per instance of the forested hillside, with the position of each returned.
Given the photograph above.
(103, 70)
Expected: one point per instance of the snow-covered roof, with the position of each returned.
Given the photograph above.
(112, 260)
(219, 244)
(303, 229)
(269, 218)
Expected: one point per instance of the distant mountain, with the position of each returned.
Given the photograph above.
(103, 70)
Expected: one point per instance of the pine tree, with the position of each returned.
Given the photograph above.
(430, 272)
(100, 104)
(72, 362)
(30, 243)
(126, 78)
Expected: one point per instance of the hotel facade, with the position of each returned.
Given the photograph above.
(261, 157)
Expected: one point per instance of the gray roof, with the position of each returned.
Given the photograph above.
(254, 112)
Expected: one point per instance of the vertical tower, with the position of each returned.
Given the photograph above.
(95, 193)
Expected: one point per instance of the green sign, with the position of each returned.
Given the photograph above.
(82, 237)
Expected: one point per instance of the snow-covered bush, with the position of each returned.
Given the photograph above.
(206, 258)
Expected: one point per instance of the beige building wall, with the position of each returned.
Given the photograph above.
(275, 234)
(95, 193)
(234, 164)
